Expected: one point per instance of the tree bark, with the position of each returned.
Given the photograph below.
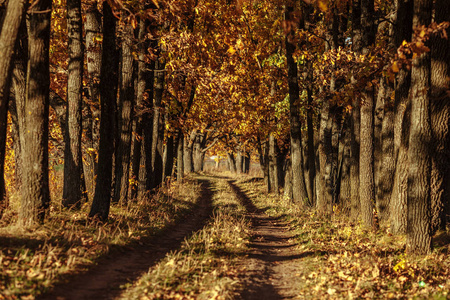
(180, 159)
(93, 28)
(419, 174)
(440, 118)
(108, 94)
(366, 171)
(298, 181)
(273, 164)
(74, 186)
(35, 197)
(397, 211)
(125, 114)
(8, 36)
(387, 160)
(158, 128)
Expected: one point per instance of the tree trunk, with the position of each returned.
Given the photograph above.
(311, 164)
(345, 192)
(419, 174)
(125, 114)
(8, 36)
(188, 161)
(397, 211)
(74, 186)
(366, 171)
(387, 160)
(180, 160)
(93, 28)
(440, 118)
(354, 161)
(35, 190)
(298, 181)
(158, 128)
(325, 194)
(273, 164)
(108, 94)
(231, 162)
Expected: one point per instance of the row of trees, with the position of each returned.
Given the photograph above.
(346, 102)
(375, 105)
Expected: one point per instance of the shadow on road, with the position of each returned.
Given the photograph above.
(111, 273)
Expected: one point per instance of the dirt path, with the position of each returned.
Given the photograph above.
(106, 280)
(272, 266)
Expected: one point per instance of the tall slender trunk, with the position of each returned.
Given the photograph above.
(108, 91)
(402, 104)
(180, 152)
(93, 28)
(125, 114)
(8, 36)
(298, 181)
(74, 186)
(387, 160)
(418, 226)
(311, 164)
(35, 191)
(440, 119)
(366, 171)
(158, 128)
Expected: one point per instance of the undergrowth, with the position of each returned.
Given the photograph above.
(343, 260)
(33, 261)
(205, 267)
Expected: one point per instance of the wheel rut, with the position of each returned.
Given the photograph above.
(272, 262)
(107, 279)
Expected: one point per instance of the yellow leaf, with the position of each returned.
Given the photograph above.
(323, 6)
(231, 50)
(395, 67)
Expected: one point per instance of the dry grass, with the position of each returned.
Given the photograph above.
(345, 261)
(33, 261)
(205, 267)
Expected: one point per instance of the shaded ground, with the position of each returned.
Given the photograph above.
(113, 273)
(273, 263)
(270, 268)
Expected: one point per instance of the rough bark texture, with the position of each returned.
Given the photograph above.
(298, 181)
(35, 196)
(74, 187)
(311, 163)
(354, 162)
(366, 174)
(325, 193)
(356, 116)
(108, 89)
(231, 162)
(440, 119)
(93, 29)
(377, 139)
(387, 160)
(158, 128)
(420, 138)
(180, 160)
(397, 211)
(344, 170)
(125, 115)
(273, 164)
(9, 30)
(188, 152)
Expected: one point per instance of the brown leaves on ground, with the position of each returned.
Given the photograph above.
(342, 260)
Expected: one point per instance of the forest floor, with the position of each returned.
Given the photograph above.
(217, 237)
